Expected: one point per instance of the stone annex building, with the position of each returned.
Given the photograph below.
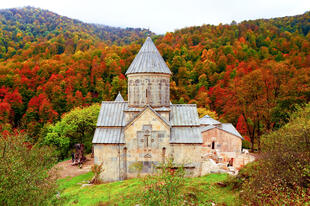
(147, 129)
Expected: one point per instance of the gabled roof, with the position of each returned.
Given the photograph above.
(148, 60)
(227, 127)
(119, 98)
(185, 124)
(140, 113)
(111, 114)
(110, 135)
(186, 135)
(184, 115)
(207, 120)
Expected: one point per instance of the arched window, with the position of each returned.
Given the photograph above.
(163, 155)
(124, 176)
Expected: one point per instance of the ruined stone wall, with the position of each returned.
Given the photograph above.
(223, 141)
(152, 89)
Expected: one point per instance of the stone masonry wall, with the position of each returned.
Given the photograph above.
(223, 141)
(188, 155)
(109, 155)
(152, 89)
(147, 140)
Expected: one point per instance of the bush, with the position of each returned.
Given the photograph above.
(164, 188)
(96, 169)
(243, 176)
(246, 144)
(25, 172)
(282, 175)
(137, 167)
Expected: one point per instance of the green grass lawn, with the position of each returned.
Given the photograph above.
(126, 192)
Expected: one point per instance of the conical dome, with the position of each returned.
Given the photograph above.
(148, 60)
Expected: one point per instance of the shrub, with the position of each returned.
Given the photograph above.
(243, 176)
(282, 175)
(165, 187)
(246, 144)
(96, 169)
(26, 177)
(137, 167)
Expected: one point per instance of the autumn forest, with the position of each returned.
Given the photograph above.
(253, 73)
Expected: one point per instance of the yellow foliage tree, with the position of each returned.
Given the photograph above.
(204, 111)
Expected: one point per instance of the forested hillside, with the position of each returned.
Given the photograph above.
(20, 27)
(251, 73)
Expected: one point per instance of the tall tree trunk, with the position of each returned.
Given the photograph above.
(252, 137)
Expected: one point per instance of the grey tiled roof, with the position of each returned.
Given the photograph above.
(184, 115)
(185, 135)
(148, 60)
(111, 122)
(111, 114)
(207, 120)
(119, 98)
(227, 127)
(206, 128)
(112, 135)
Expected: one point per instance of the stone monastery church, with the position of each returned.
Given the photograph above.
(148, 129)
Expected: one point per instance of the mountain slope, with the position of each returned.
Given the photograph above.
(252, 73)
(28, 24)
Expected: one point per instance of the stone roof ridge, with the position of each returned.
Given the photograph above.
(148, 60)
(119, 98)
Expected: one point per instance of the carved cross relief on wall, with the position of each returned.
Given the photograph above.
(149, 139)
(145, 139)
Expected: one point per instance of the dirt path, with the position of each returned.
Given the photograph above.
(65, 169)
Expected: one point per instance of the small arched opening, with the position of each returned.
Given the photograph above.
(163, 155)
(213, 145)
(125, 163)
